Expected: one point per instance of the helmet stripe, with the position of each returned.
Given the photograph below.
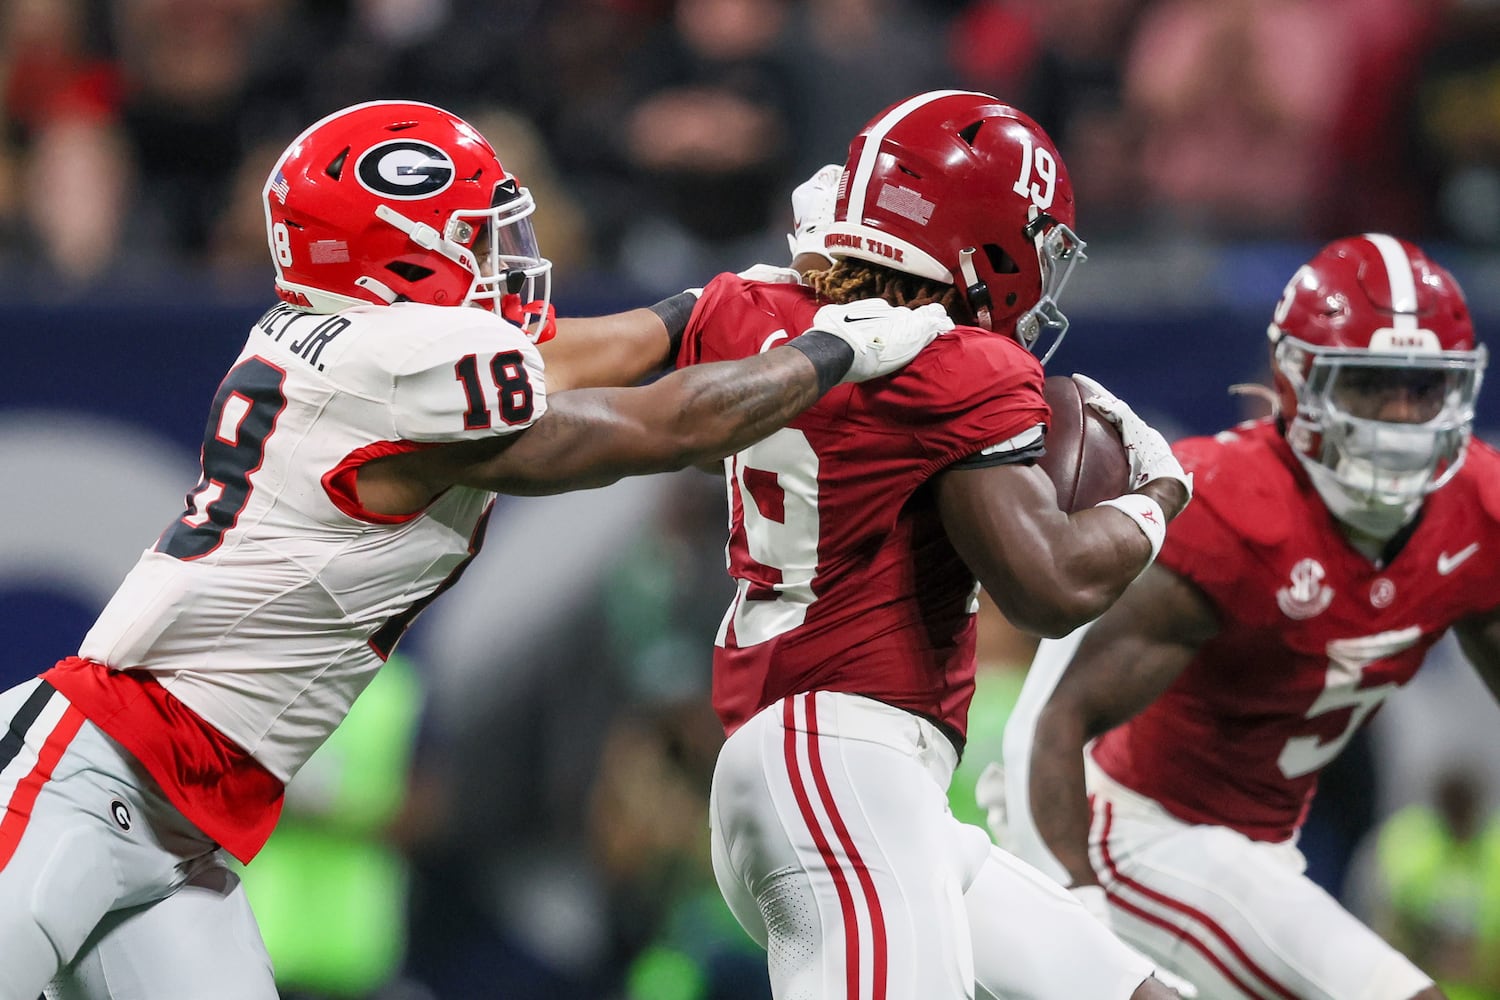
(859, 184)
(1398, 276)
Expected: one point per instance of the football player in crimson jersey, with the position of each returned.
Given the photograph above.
(1326, 550)
(351, 458)
(859, 536)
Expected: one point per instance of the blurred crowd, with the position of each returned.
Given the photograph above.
(661, 136)
(560, 849)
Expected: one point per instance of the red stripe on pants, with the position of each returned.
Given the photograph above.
(840, 883)
(867, 884)
(18, 809)
(1191, 913)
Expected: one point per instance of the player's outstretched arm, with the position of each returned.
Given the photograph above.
(617, 350)
(1126, 659)
(592, 437)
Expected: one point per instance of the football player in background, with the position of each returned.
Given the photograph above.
(1328, 548)
(845, 664)
(351, 458)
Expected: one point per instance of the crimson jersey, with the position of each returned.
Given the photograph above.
(845, 578)
(1313, 636)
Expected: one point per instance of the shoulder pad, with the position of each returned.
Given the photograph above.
(473, 376)
(1241, 481)
(1482, 465)
(967, 367)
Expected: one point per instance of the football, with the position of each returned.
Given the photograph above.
(1085, 457)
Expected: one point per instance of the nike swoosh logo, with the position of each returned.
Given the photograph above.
(1447, 564)
(859, 319)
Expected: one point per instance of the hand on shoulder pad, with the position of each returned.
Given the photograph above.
(1150, 455)
(884, 337)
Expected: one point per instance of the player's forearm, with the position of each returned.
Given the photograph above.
(1059, 798)
(724, 407)
(617, 350)
(1048, 572)
(593, 437)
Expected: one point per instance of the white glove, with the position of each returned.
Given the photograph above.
(1097, 903)
(813, 202)
(989, 794)
(1150, 455)
(884, 337)
(770, 274)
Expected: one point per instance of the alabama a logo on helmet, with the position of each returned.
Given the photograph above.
(405, 168)
(1307, 596)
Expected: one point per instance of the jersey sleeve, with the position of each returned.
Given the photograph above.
(736, 318)
(481, 379)
(970, 391)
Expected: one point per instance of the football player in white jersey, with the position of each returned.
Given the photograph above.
(350, 460)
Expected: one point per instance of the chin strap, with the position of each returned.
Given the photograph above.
(424, 235)
(977, 293)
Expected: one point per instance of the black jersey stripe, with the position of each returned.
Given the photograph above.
(22, 721)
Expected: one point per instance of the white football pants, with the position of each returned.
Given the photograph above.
(834, 847)
(104, 885)
(1236, 917)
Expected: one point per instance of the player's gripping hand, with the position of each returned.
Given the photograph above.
(1150, 455)
(813, 204)
(884, 337)
(1096, 902)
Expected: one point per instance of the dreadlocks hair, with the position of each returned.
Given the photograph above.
(849, 280)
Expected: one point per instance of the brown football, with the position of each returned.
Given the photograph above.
(1085, 457)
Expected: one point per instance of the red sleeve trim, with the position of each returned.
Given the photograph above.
(341, 483)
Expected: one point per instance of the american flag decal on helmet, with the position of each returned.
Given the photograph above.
(279, 186)
(329, 251)
(906, 203)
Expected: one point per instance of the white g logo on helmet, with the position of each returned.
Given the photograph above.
(406, 169)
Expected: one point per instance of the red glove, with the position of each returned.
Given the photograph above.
(538, 320)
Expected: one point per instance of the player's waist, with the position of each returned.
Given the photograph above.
(1153, 793)
(210, 778)
(854, 717)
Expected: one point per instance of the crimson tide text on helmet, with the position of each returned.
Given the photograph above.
(397, 200)
(959, 188)
(1377, 372)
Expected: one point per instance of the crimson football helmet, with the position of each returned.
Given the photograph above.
(959, 188)
(396, 200)
(1376, 372)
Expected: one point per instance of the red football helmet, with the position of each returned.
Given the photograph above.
(959, 188)
(1376, 373)
(395, 200)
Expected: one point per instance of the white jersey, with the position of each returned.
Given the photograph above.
(270, 603)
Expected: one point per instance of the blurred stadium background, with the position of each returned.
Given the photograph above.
(534, 824)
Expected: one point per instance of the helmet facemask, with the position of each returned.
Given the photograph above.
(1059, 251)
(497, 246)
(1379, 430)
